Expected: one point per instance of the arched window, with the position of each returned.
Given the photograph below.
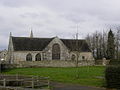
(29, 57)
(73, 57)
(38, 57)
(56, 52)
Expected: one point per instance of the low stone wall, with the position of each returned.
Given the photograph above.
(99, 62)
(55, 63)
(102, 62)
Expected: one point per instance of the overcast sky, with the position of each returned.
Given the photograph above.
(49, 18)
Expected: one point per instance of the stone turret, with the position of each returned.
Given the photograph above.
(10, 38)
(10, 50)
(31, 34)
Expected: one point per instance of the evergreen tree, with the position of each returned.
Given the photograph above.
(110, 45)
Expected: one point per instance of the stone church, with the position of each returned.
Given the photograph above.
(32, 49)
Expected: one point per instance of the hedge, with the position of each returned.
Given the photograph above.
(2, 67)
(112, 76)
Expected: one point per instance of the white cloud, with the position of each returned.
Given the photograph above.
(55, 17)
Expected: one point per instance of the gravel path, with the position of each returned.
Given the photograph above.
(61, 86)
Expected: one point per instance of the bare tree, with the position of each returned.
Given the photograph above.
(117, 44)
(97, 42)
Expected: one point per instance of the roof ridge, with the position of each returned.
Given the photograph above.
(73, 39)
(33, 37)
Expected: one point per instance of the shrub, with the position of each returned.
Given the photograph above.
(2, 67)
(112, 76)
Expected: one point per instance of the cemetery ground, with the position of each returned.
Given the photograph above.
(85, 75)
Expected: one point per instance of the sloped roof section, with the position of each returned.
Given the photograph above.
(76, 45)
(38, 44)
(30, 44)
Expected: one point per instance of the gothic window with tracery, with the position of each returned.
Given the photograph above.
(38, 57)
(29, 57)
(56, 52)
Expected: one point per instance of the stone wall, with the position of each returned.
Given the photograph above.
(55, 63)
(103, 62)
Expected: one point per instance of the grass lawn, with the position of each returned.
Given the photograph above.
(90, 76)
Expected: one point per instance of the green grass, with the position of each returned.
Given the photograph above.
(90, 76)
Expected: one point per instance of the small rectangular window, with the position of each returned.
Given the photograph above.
(83, 57)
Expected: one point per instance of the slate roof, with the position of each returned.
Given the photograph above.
(30, 44)
(76, 45)
(38, 44)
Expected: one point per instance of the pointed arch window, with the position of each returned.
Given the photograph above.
(38, 57)
(29, 57)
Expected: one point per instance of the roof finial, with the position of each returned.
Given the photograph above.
(31, 34)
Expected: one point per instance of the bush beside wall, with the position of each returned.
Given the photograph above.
(7, 66)
(114, 62)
